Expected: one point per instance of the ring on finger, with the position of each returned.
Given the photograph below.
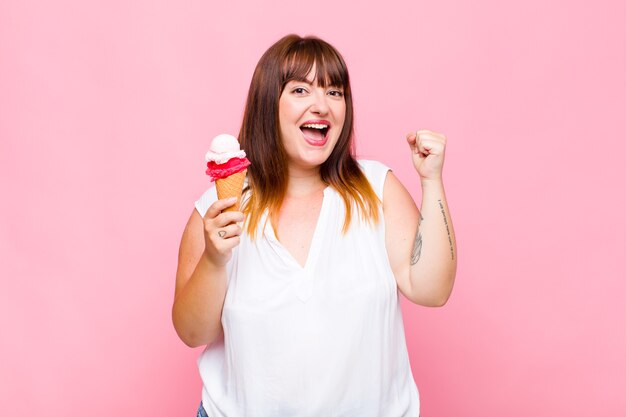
(221, 233)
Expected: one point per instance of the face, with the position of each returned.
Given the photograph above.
(311, 119)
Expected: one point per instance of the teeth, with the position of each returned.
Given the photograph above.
(315, 126)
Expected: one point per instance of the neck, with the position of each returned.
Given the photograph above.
(304, 183)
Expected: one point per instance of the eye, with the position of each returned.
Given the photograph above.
(336, 93)
(299, 90)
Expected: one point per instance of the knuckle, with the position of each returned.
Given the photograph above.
(209, 225)
(212, 212)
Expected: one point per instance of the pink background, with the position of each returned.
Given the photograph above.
(106, 110)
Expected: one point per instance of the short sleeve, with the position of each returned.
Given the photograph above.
(205, 201)
(375, 172)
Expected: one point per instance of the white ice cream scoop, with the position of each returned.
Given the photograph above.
(223, 148)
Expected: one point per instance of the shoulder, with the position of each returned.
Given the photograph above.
(396, 197)
(399, 208)
(372, 167)
(204, 202)
(376, 173)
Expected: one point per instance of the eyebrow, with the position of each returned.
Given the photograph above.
(296, 80)
(306, 81)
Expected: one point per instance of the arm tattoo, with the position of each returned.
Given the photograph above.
(417, 245)
(445, 220)
(417, 248)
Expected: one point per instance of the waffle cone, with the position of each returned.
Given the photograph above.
(231, 186)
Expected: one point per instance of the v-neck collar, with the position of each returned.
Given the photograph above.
(316, 240)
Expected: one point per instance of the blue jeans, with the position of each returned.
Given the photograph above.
(201, 412)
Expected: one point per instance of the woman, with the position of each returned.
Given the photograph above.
(296, 296)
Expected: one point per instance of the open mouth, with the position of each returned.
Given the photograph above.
(315, 133)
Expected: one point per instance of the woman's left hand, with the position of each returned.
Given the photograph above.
(428, 153)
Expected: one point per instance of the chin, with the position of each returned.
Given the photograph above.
(311, 161)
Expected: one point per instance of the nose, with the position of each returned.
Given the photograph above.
(319, 105)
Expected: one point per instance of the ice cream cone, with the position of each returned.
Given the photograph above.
(231, 186)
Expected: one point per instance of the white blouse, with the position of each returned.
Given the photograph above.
(325, 340)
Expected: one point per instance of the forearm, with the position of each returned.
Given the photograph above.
(197, 309)
(433, 258)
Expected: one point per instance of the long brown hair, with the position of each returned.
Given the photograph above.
(292, 58)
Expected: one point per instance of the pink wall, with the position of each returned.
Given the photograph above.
(106, 109)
